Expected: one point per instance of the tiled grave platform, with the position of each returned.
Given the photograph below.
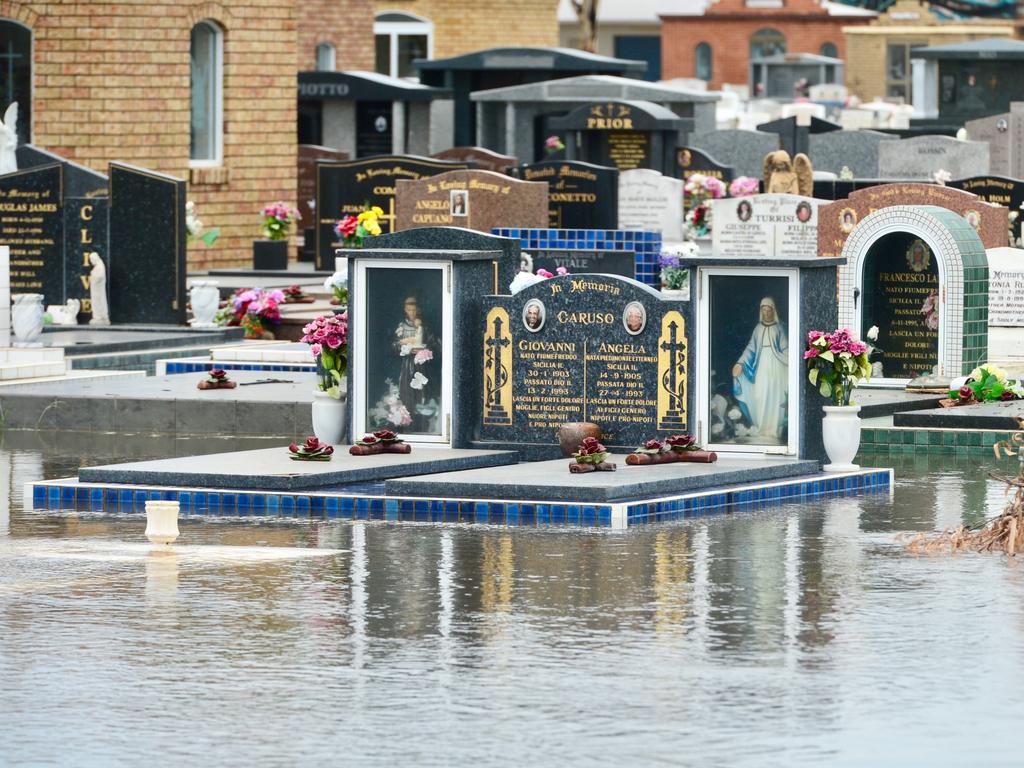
(552, 481)
(274, 356)
(166, 405)
(271, 469)
(371, 504)
(878, 436)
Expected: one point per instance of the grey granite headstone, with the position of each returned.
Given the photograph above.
(922, 156)
(857, 150)
(743, 150)
(1005, 136)
(651, 202)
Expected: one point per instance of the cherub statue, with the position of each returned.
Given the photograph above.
(9, 140)
(781, 175)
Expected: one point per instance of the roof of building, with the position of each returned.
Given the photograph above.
(797, 58)
(359, 85)
(990, 48)
(565, 59)
(590, 87)
(633, 11)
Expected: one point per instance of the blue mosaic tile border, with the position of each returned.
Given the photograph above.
(70, 495)
(646, 245)
(174, 367)
(745, 499)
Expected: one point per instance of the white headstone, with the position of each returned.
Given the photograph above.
(651, 202)
(1005, 287)
(765, 227)
(5, 296)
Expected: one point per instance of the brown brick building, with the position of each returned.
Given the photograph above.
(204, 91)
(718, 45)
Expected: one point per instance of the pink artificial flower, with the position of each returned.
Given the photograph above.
(316, 349)
(814, 336)
(812, 352)
(544, 273)
(333, 341)
(423, 356)
(562, 271)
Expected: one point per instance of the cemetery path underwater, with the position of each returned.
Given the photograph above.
(800, 633)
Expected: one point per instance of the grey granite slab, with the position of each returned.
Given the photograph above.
(979, 416)
(552, 481)
(271, 469)
(95, 340)
(885, 402)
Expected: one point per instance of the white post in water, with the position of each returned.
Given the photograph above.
(162, 521)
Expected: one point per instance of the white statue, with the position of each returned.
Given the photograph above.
(9, 140)
(98, 291)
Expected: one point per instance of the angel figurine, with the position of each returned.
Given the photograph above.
(791, 177)
(9, 139)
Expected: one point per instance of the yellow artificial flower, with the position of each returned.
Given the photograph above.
(364, 216)
(372, 227)
(377, 211)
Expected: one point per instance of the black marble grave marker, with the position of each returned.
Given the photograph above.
(580, 195)
(598, 348)
(690, 160)
(348, 187)
(85, 231)
(146, 268)
(32, 224)
(579, 261)
(996, 189)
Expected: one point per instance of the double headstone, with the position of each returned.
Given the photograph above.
(765, 227)
(1000, 190)
(480, 200)
(580, 195)
(651, 202)
(923, 156)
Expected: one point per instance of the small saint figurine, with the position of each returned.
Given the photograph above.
(9, 140)
(98, 291)
(785, 176)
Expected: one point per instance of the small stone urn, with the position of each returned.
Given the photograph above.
(162, 521)
(27, 319)
(571, 434)
(204, 297)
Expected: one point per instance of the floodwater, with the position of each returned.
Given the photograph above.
(795, 636)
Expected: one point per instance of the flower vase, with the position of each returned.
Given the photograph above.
(329, 418)
(204, 296)
(27, 319)
(840, 431)
(270, 254)
(571, 434)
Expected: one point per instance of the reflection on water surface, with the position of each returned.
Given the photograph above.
(791, 636)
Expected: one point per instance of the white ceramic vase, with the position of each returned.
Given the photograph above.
(329, 417)
(205, 299)
(162, 521)
(840, 432)
(27, 319)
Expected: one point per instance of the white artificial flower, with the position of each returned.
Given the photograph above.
(734, 414)
(941, 176)
(418, 381)
(405, 350)
(337, 280)
(524, 280)
(873, 333)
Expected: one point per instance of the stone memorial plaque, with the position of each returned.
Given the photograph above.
(347, 187)
(690, 160)
(146, 267)
(838, 219)
(580, 195)
(32, 225)
(1006, 287)
(651, 202)
(627, 150)
(1000, 190)
(309, 154)
(901, 296)
(85, 228)
(745, 150)
(765, 227)
(596, 348)
(579, 261)
(479, 158)
(480, 200)
(921, 156)
(856, 150)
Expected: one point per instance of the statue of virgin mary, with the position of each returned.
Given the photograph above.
(761, 376)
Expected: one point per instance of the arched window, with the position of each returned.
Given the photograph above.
(16, 74)
(829, 49)
(325, 57)
(767, 42)
(703, 56)
(400, 39)
(207, 58)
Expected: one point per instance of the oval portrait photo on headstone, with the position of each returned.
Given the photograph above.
(974, 219)
(847, 220)
(634, 318)
(534, 315)
(918, 256)
(744, 210)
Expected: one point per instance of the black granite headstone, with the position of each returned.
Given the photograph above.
(690, 160)
(146, 269)
(582, 261)
(597, 348)
(32, 224)
(85, 231)
(996, 189)
(348, 187)
(580, 195)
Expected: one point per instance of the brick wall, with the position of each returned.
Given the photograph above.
(728, 26)
(346, 24)
(111, 82)
(472, 25)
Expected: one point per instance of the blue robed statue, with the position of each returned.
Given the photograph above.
(761, 376)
